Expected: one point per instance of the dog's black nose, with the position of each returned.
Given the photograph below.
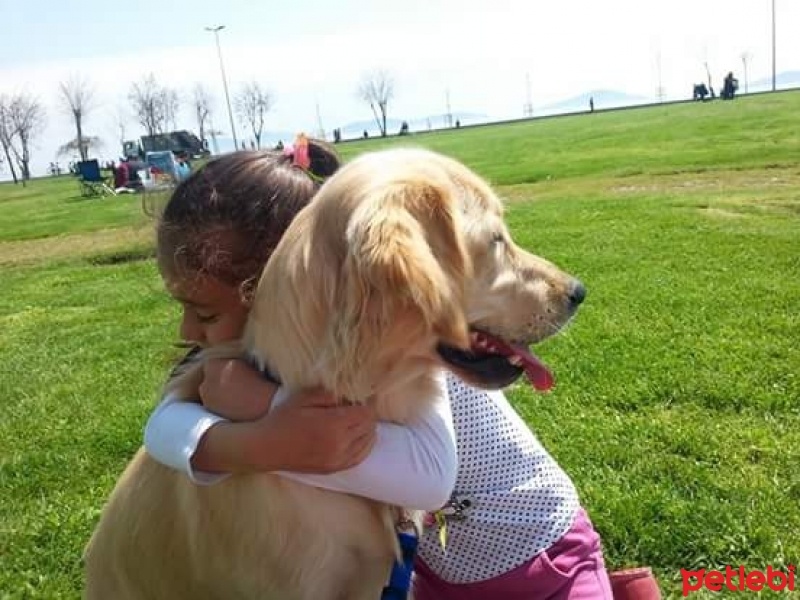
(577, 293)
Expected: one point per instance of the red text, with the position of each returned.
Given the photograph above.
(739, 580)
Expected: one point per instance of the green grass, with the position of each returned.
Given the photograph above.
(54, 206)
(754, 131)
(677, 408)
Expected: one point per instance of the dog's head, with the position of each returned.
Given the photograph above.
(430, 259)
(403, 260)
(514, 299)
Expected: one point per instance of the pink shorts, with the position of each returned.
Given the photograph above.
(571, 569)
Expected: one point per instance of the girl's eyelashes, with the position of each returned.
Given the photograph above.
(206, 319)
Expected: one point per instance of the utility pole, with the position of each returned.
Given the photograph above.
(527, 109)
(320, 127)
(215, 31)
(660, 89)
(449, 117)
(213, 134)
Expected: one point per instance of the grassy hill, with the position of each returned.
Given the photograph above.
(677, 405)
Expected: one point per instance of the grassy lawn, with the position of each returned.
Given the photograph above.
(677, 407)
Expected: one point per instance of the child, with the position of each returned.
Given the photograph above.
(214, 237)
(514, 527)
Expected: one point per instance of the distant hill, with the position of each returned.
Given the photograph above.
(268, 140)
(602, 99)
(786, 79)
(355, 129)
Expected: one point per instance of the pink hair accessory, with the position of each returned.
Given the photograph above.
(299, 152)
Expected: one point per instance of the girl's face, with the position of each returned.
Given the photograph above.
(213, 311)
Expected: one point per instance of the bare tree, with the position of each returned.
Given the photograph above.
(252, 103)
(147, 101)
(376, 89)
(171, 105)
(23, 118)
(201, 102)
(77, 97)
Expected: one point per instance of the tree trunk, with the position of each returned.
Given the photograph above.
(377, 118)
(82, 149)
(25, 159)
(260, 130)
(10, 164)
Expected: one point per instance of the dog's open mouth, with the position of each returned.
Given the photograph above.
(497, 363)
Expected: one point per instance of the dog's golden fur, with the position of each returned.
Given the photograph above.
(400, 251)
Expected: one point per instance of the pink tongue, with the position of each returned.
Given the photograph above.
(535, 370)
(537, 373)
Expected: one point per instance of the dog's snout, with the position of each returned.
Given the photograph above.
(577, 293)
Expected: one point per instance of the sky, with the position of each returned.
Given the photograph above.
(312, 53)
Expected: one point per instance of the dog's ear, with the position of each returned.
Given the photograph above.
(406, 264)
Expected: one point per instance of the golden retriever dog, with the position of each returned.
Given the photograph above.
(400, 266)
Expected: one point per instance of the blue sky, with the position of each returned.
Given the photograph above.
(312, 52)
(46, 30)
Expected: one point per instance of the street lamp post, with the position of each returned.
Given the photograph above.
(215, 31)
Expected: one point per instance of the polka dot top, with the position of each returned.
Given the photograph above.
(511, 499)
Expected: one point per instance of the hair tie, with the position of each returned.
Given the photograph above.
(299, 152)
(300, 156)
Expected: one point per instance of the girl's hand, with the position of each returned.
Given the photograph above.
(233, 389)
(310, 433)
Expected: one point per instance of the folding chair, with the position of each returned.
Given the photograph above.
(91, 181)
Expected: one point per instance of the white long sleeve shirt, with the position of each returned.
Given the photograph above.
(412, 466)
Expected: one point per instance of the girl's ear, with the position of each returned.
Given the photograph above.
(247, 291)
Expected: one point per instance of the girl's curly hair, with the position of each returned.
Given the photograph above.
(226, 219)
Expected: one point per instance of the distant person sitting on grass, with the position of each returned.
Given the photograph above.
(699, 92)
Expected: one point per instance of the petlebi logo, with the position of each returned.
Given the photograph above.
(739, 579)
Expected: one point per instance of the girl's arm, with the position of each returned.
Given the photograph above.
(234, 391)
(308, 434)
(412, 466)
